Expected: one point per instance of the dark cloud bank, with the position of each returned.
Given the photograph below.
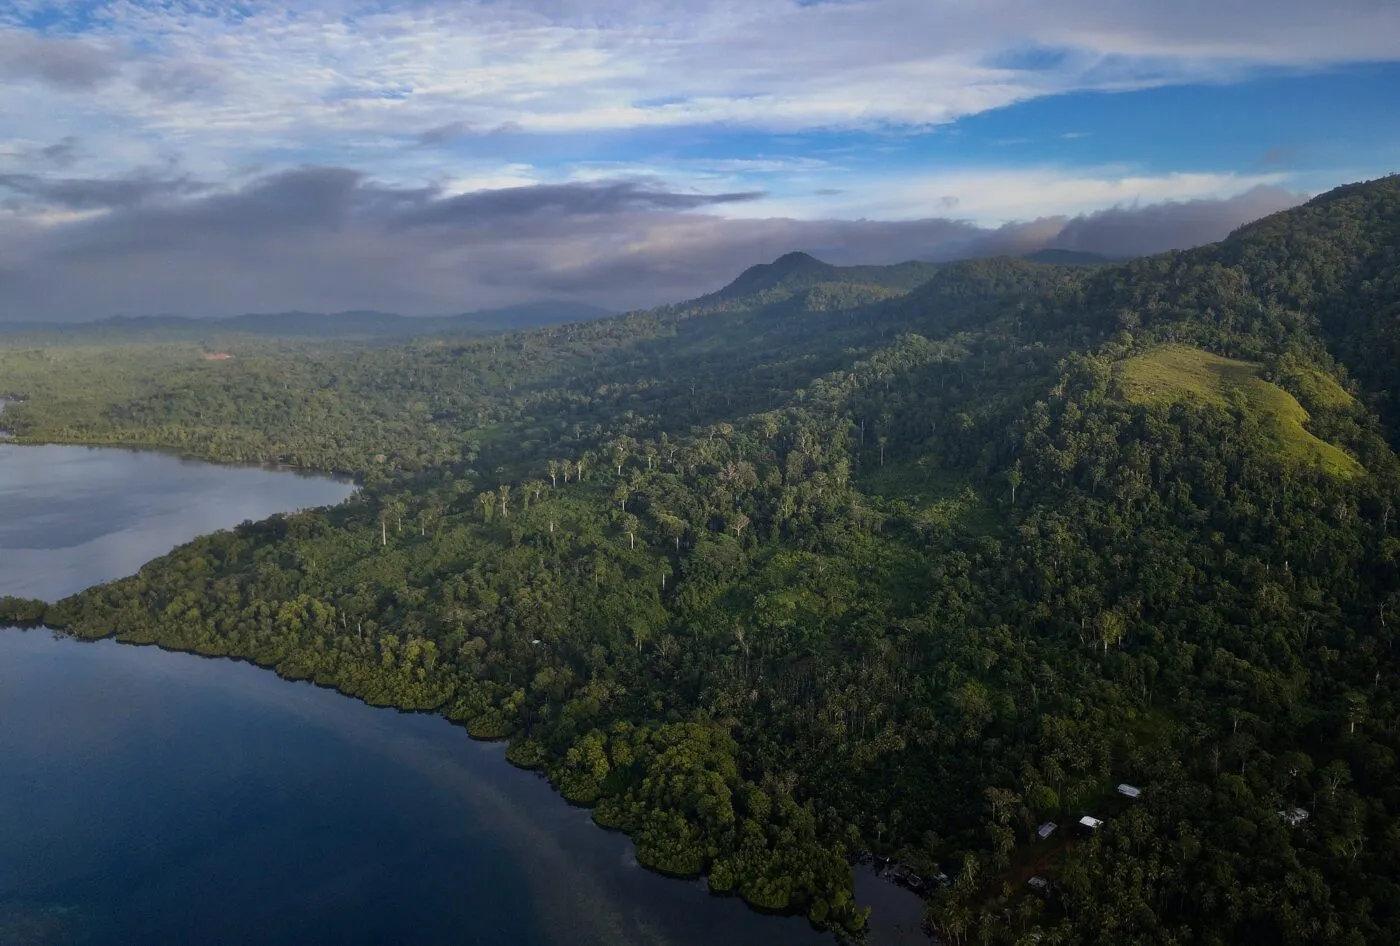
(66, 64)
(331, 239)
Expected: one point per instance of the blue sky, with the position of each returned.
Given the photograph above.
(1307, 132)
(766, 121)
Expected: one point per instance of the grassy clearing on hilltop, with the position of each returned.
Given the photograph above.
(1179, 372)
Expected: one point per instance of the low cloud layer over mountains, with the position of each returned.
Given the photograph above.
(330, 239)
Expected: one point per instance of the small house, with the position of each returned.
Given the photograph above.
(1039, 884)
(1129, 791)
(1293, 816)
(1045, 830)
(1088, 825)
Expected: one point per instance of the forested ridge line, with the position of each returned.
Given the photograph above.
(771, 583)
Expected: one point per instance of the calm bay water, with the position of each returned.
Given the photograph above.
(153, 797)
(72, 517)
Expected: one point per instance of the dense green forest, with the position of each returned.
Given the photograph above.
(360, 325)
(907, 560)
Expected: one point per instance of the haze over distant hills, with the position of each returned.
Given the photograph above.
(355, 324)
(821, 285)
(199, 159)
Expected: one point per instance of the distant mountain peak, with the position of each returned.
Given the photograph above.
(794, 269)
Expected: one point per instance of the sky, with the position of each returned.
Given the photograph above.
(209, 157)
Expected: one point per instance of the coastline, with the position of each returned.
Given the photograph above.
(53, 618)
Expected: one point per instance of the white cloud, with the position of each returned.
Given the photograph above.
(426, 94)
(330, 239)
(229, 81)
(992, 197)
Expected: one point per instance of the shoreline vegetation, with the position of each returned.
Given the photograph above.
(911, 561)
(31, 614)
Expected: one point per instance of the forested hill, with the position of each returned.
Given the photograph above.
(1071, 257)
(297, 325)
(774, 582)
(801, 271)
(813, 283)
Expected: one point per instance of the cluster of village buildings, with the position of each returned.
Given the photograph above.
(1085, 827)
(1088, 825)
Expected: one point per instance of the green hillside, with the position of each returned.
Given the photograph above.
(1176, 373)
(836, 562)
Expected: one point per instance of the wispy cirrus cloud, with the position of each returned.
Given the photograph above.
(431, 155)
(230, 78)
(994, 196)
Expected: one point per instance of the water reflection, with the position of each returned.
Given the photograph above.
(71, 517)
(156, 797)
(208, 801)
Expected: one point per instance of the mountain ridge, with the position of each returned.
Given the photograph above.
(361, 323)
(790, 584)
